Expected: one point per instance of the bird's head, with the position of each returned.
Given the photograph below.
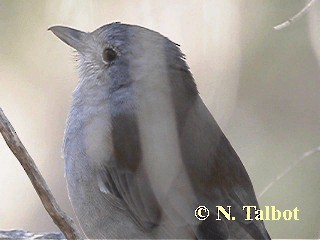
(122, 58)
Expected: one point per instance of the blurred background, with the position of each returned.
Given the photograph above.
(261, 85)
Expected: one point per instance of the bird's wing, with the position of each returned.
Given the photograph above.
(133, 189)
(219, 177)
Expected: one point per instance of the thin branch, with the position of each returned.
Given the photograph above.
(60, 218)
(21, 234)
(295, 17)
(288, 169)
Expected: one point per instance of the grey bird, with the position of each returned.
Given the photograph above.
(141, 149)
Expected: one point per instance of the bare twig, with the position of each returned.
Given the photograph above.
(288, 169)
(60, 218)
(295, 17)
(21, 234)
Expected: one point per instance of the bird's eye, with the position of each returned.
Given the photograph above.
(109, 55)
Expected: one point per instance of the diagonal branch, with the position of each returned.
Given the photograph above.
(295, 17)
(288, 169)
(59, 217)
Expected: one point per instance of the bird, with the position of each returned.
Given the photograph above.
(142, 151)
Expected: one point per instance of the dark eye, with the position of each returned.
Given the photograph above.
(109, 55)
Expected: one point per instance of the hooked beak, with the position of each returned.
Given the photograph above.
(74, 38)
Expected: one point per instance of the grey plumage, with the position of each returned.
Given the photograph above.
(142, 151)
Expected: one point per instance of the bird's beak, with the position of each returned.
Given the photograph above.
(74, 38)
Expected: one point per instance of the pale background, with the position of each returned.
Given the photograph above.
(261, 85)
